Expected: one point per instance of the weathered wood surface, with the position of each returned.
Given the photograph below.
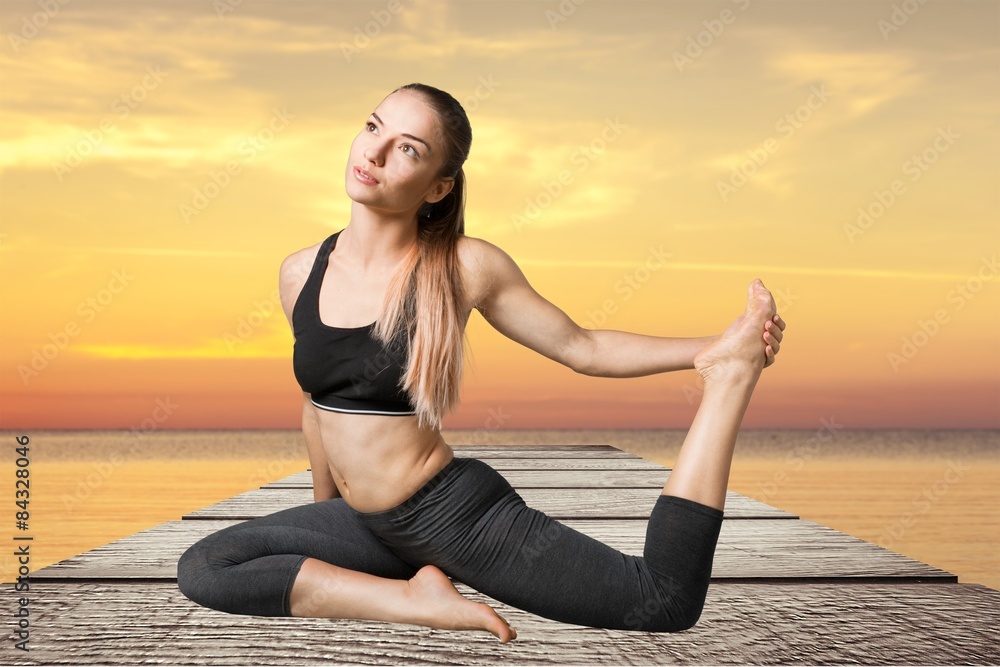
(785, 591)
(558, 503)
(777, 549)
(126, 624)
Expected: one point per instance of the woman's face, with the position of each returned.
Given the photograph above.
(401, 148)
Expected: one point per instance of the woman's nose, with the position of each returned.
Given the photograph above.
(374, 153)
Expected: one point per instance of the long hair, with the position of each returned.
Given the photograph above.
(425, 295)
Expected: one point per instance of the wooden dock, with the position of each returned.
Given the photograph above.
(784, 591)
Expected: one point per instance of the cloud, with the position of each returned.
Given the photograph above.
(162, 252)
(210, 350)
(752, 268)
(858, 82)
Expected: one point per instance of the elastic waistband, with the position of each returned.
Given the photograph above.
(334, 403)
(456, 463)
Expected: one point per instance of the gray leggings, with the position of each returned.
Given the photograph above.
(470, 522)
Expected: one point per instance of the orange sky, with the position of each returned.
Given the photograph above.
(158, 160)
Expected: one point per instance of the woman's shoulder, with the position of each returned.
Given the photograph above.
(294, 272)
(483, 264)
(296, 267)
(480, 255)
(476, 252)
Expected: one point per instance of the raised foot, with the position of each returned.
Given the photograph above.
(447, 609)
(747, 346)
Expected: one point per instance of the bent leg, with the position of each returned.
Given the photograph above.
(250, 567)
(531, 561)
(681, 538)
(480, 532)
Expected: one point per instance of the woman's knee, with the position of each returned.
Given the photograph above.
(190, 568)
(673, 613)
(199, 576)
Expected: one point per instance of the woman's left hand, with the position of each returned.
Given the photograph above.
(773, 329)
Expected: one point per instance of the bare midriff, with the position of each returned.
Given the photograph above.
(378, 461)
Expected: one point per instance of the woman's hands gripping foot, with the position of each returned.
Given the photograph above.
(749, 344)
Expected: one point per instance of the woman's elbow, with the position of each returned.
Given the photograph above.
(579, 355)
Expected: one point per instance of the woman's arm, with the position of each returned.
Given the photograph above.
(292, 275)
(622, 354)
(324, 488)
(517, 311)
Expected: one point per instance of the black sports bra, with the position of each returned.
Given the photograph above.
(345, 369)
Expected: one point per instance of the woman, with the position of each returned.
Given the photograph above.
(396, 513)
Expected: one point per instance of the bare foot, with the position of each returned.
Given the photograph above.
(746, 346)
(448, 609)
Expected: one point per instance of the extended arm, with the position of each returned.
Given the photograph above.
(623, 354)
(517, 311)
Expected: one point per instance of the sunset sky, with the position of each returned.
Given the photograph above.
(158, 160)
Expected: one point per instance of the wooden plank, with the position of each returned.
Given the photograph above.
(526, 479)
(557, 503)
(778, 549)
(120, 623)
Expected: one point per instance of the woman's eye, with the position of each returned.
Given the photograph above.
(407, 148)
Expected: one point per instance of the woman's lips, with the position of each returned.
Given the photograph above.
(364, 177)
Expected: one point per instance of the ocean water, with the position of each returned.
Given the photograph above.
(931, 495)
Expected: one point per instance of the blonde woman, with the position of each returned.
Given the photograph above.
(378, 310)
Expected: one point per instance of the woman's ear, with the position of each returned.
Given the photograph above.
(440, 190)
